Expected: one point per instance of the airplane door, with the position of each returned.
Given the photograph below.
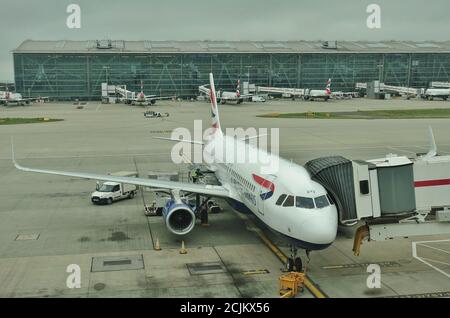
(266, 189)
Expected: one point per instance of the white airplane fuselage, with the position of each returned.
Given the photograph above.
(252, 191)
(443, 93)
(316, 93)
(142, 99)
(9, 97)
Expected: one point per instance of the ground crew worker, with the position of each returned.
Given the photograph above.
(194, 175)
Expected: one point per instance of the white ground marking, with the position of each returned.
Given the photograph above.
(427, 261)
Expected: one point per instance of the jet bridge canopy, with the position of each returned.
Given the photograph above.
(336, 175)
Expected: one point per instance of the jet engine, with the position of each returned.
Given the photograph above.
(179, 217)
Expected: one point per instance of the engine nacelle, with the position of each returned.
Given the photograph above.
(179, 217)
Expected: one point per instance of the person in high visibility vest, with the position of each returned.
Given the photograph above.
(194, 175)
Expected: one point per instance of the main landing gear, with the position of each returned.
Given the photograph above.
(294, 263)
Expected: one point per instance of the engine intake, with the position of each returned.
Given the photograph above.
(179, 217)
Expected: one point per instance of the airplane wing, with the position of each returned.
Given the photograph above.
(181, 140)
(212, 190)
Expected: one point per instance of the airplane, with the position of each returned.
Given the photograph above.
(307, 94)
(318, 93)
(287, 201)
(145, 100)
(6, 98)
(431, 93)
(224, 96)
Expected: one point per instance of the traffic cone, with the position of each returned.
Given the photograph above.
(157, 246)
(183, 250)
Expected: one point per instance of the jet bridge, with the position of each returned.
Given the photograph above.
(293, 92)
(377, 89)
(116, 93)
(394, 196)
(440, 84)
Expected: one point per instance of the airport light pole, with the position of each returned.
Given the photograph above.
(106, 68)
(248, 73)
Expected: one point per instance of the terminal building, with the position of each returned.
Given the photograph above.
(75, 69)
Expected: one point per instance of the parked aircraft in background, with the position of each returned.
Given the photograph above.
(431, 93)
(319, 93)
(144, 100)
(7, 98)
(225, 97)
(305, 93)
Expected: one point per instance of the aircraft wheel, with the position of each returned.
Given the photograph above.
(298, 264)
(290, 265)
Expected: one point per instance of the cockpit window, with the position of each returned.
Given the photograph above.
(281, 199)
(289, 201)
(321, 202)
(330, 199)
(305, 203)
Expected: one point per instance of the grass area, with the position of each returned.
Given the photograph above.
(368, 114)
(18, 121)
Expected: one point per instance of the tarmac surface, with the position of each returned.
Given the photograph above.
(48, 222)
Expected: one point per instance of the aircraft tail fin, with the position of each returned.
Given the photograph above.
(432, 151)
(238, 88)
(214, 109)
(328, 87)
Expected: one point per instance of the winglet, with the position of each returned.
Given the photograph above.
(13, 157)
(432, 144)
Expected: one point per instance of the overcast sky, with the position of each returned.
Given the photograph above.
(419, 20)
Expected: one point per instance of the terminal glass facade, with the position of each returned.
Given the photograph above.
(69, 76)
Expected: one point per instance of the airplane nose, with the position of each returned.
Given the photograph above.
(322, 228)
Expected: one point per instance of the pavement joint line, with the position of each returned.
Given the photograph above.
(141, 188)
(309, 284)
(444, 294)
(227, 271)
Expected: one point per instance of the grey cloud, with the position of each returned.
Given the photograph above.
(219, 20)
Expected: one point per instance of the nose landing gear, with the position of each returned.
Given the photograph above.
(294, 263)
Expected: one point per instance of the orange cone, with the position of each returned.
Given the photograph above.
(183, 250)
(157, 246)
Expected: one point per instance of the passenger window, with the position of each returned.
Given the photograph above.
(281, 199)
(321, 202)
(116, 188)
(305, 203)
(289, 201)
